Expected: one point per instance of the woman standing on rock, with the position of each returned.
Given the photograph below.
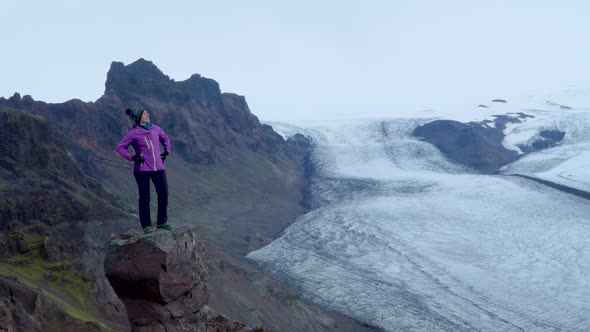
(145, 137)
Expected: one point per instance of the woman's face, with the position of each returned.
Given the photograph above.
(145, 117)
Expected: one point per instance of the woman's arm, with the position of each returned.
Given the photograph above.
(164, 140)
(123, 145)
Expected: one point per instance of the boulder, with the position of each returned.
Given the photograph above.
(161, 278)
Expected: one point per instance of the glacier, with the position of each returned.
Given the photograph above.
(404, 239)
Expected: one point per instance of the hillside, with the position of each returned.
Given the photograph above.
(46, 202)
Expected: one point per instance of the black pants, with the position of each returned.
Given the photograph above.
(143, 184)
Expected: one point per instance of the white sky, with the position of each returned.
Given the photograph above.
(303, 59)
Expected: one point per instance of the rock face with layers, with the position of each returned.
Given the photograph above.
(161, 278)
(163, 281)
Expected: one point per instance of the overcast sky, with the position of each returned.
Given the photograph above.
(303, 59)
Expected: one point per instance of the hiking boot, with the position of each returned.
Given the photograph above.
(165, 226)
(148, 229)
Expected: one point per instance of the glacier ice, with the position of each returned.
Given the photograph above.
(404, 239)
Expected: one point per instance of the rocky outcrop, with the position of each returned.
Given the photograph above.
(475, 145)
(554, 104)
(162, 279)
(478, 145)
(547, 139)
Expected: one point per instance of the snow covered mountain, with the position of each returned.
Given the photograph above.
(405, 238)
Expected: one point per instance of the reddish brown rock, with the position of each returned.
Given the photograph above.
(161, 278)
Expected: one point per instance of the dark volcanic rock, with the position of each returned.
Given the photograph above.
(549, 138)
(554, 135)
(546, 139)
(162, 279)
(499, 101)
(141, 77)
(472, 144)
(563, 107)
(300, 143)
(237, 113)
(160, 276)
(479, 145)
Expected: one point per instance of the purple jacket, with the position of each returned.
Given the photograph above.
(146, 143)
